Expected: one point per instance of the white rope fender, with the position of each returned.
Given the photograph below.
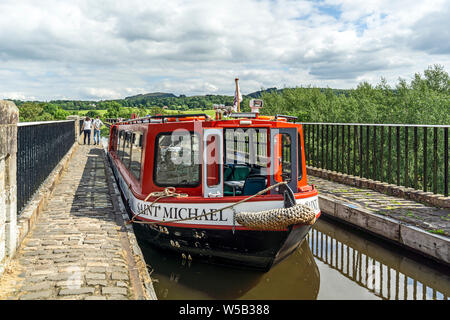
(275, 219)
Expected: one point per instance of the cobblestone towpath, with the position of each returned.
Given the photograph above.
(79, 247)
(431, 219)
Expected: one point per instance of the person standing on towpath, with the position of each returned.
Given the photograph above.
(97, 126)
(87, 126)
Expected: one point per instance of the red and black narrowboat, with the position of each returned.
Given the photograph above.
(186, 178)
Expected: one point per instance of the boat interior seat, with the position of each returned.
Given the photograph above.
(227, 176)
(228, 172)
(234, 172)
(253, 184)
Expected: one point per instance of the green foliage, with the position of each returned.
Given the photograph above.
(39, 111)
(426, 100)
(104, 131)
(93, 114)
(113, 109)
(145, 101)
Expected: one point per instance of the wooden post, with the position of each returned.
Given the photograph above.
(237, 95)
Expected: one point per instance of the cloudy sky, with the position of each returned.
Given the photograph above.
(99, 49)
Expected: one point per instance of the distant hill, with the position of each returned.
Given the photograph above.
(152, 95)
(257, 94)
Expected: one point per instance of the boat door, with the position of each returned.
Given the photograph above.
(212, 180)
(283, 157)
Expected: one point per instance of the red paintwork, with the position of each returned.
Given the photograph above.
(145, 185)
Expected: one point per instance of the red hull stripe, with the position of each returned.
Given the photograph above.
(198, 199)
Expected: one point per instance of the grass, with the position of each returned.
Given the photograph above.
(211, 113)
(437, 231)
(410, 214)
(83, 112)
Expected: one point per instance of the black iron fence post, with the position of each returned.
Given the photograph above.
(446, 162)
(425, 154)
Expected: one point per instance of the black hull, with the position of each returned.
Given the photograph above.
(249, 249)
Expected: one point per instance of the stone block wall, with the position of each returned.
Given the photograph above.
(9, 116)
(77, 125)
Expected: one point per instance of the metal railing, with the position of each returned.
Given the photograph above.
(406, 155)
(111, 120)
(40, 147)
(385, 274)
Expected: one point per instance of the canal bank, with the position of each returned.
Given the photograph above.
(418, 227)
(79, 247)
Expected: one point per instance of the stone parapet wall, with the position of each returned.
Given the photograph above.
(77, 125)
(9, 116)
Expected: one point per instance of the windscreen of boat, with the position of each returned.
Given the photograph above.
(246, 160)
(177, 159)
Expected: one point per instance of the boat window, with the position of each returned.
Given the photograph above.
(120, 143)
(247, 147)
(212, 169)
(177, 159)
(113, 139)
(136, 154)
(261, 143)
(286, 164)
(299, 158)
(126, 148)
(284, 171)
(246, 160)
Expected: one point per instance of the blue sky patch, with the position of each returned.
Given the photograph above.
(329, 10)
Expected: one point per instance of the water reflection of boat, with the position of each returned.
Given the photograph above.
(386, 271)
(297, 277)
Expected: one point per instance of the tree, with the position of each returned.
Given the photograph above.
(113, 110)
(30, 111)
(437, 79)
(92, 114)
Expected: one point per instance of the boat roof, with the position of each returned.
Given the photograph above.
(170, 118)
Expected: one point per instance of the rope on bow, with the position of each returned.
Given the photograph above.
(167, 193)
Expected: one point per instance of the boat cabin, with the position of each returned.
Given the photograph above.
(216, 159)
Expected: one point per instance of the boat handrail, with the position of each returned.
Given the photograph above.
(286, 117)
(163, 117)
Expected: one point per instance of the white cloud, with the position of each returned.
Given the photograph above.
(16, 96)
(101, 93)
(89, 49)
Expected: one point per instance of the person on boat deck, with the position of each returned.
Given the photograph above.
(87, 126)
(97, 123)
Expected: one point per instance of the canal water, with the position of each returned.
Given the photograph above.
(334, 262)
